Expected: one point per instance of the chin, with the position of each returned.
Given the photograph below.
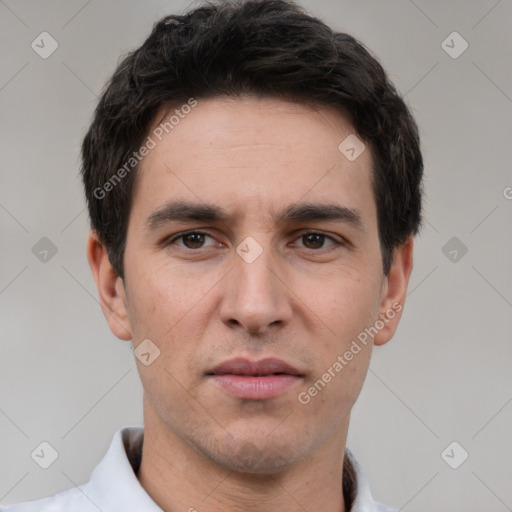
(257, 456)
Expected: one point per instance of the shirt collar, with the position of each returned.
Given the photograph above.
(114, 484)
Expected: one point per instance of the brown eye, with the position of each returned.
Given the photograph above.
(316, 240)
(313, 240)
(191, 240)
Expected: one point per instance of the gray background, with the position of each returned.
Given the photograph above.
(67, 380)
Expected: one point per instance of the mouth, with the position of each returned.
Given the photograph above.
(255, 380)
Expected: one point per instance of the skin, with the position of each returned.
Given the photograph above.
(303, 300)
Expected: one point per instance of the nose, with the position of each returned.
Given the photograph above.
(257, 297)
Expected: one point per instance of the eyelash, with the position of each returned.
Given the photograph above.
(171, 241)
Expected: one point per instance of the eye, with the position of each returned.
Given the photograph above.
(190, 240)
(314, 240)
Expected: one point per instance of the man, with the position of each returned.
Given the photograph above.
(254, 185)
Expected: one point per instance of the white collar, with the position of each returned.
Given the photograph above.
(114, 487)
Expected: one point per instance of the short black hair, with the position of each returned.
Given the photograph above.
(267, 48)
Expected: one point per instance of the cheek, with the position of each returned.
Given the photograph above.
(331, 394)
(347, 303)
(173, 312)
(161, 298)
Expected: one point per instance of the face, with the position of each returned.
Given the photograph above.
(253, 263)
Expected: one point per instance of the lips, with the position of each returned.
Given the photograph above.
(262, 368)
(255, 380)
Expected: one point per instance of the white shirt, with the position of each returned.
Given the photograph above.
(114, 487)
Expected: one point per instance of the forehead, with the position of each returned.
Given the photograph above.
(256, 154)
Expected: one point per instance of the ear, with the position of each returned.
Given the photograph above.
(394, 291)
(110, 287)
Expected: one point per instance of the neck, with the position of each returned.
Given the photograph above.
(179, 478)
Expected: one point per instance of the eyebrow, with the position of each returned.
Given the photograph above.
(307, 212)
(176, 211)
(185, 211)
